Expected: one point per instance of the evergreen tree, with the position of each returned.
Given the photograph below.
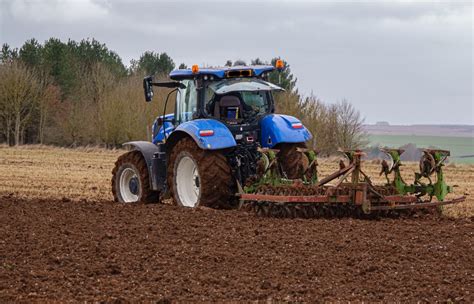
(239, 62)
(31, 53)
(60, 65)
(7, 53)
(155, 63)
(257, 61)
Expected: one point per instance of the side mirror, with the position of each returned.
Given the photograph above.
(147, 87)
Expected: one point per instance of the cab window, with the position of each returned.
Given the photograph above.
(186, 103)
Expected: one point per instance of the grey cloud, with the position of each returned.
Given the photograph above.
(405, 62)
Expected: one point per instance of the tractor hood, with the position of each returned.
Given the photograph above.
(226, 86)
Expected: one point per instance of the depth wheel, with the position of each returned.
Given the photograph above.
(130, 180)
(198, 177)
(293, 162)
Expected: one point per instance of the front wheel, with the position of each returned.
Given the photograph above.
(199, 177)
(131, 181)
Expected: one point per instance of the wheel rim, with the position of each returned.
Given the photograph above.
(129, 185)
(188, 182)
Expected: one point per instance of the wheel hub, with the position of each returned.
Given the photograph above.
(188, 182)
(196, 180)
(129, 185)
(133, 185)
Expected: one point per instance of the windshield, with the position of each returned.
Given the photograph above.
(239, 100)
(257, 101)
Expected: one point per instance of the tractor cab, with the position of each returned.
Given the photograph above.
(241, 100)
(236, 96)
(233, 95)
(234, 102)
(226, 116)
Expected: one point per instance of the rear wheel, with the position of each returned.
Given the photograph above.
(199, 177)
(293, 162)
(130, 180)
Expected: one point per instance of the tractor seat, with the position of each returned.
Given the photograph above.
(228, 108)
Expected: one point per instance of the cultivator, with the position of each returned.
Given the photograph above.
(348, 191)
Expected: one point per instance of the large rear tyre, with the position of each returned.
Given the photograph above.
(199, 177)
(131, 181)
(293, 162)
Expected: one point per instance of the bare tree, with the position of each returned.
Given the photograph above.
(6, 112)
(350, 133)
(48, 100)
(19, 93)
(333, 126)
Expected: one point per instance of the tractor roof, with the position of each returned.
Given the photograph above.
(222, 72)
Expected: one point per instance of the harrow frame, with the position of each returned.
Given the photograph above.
(360, 193)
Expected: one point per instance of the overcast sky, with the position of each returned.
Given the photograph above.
(400, 61)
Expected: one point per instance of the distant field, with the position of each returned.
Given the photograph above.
(459, 146)
(421, 130)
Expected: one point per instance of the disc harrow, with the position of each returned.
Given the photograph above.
(348, 191)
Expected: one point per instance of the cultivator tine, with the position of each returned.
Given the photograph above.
(311, 173)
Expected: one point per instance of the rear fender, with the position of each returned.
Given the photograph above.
(221, 139)
(278, 128)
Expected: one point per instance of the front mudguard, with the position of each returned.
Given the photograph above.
(278, 128)
(147, 150)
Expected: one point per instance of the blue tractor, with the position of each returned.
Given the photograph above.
(215, 142)
(224, 147)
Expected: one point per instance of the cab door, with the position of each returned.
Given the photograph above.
(186, 102)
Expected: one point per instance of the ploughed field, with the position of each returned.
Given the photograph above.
(61, 238)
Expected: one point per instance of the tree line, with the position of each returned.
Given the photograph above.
(81, 93)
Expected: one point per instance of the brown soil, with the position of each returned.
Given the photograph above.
(94, 251)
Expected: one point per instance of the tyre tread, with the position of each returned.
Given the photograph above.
(215, 174)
